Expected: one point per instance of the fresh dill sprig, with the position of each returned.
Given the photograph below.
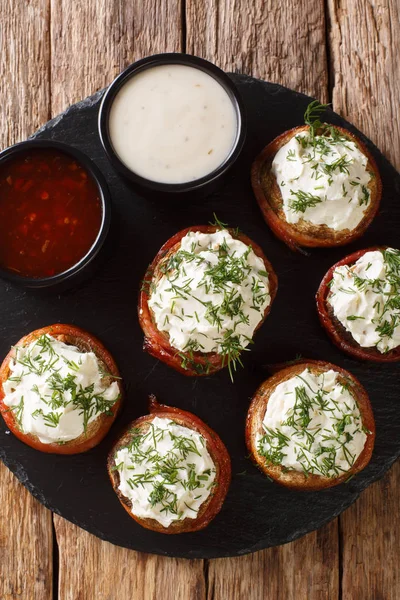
(341, 164)
(312, 116)
(303, 200)
(218, 223)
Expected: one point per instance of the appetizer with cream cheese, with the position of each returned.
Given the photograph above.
(170, 471)
(310, 426)
(60, 390)
(203, 297)
(317, 184)
(359, 304)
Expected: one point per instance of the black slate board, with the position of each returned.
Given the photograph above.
(257, 514)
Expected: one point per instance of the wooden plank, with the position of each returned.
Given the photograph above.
(278, 42)
(370, 542)
(25, 526)
(364, 39)
(24, 68)
(26, 543)
(307, 568)
(91, 569)
(283, 42)
(366, 89)
(92, 41)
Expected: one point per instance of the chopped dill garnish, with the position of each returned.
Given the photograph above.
(303, 201)
(172, 475)
(57, 377)
(304, 437)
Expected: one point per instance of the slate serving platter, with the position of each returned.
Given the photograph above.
(257, 513)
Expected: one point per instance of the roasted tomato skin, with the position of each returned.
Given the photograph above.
(295, 479)
(87, 342)
(156, 342)
(335, 330)
(288, 233)
(218, 452)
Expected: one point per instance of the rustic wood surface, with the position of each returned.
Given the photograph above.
(55, 52)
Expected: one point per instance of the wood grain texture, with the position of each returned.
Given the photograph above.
(26, 543)
(370, 541)
(92, 41)
(91, 569)
(364, 39)
(283, 42)
(26, 547)
(24, 68)
(364, 48)
(305, 569)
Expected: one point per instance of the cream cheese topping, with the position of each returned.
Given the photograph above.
(312, 424)
(323, 180)
(56, 391)
(365, 298)
(166, 472)
(212, 295)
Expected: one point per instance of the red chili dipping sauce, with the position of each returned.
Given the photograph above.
(50, 213)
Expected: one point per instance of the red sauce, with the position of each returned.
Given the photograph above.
(50, 213)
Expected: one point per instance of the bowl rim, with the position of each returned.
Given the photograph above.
(105, 199)
(164, 59)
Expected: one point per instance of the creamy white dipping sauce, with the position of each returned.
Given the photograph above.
(172, 124)
(55, 390)
(324, 182)
(365, 298)
(213, 296)
(166, 472)
(312, 424)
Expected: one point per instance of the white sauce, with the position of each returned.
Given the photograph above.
(365, 298)
(172, 124)
(341, 195)
(37, 372)
(155, 491)
(195, 316)
(325, 410)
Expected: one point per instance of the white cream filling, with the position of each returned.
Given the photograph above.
(365, 298)
(55, 390)
(312, 424)
(167, 472)
(213, 296)
(324, 185)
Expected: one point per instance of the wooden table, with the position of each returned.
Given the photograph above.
(55, 52)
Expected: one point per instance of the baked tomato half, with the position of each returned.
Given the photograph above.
(86, 402)
(307, 478)
(304, 233)
(156, 342)
(334, 328)
(168, 468)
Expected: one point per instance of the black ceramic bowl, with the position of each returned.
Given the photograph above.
(86, 264)
(202, 186)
